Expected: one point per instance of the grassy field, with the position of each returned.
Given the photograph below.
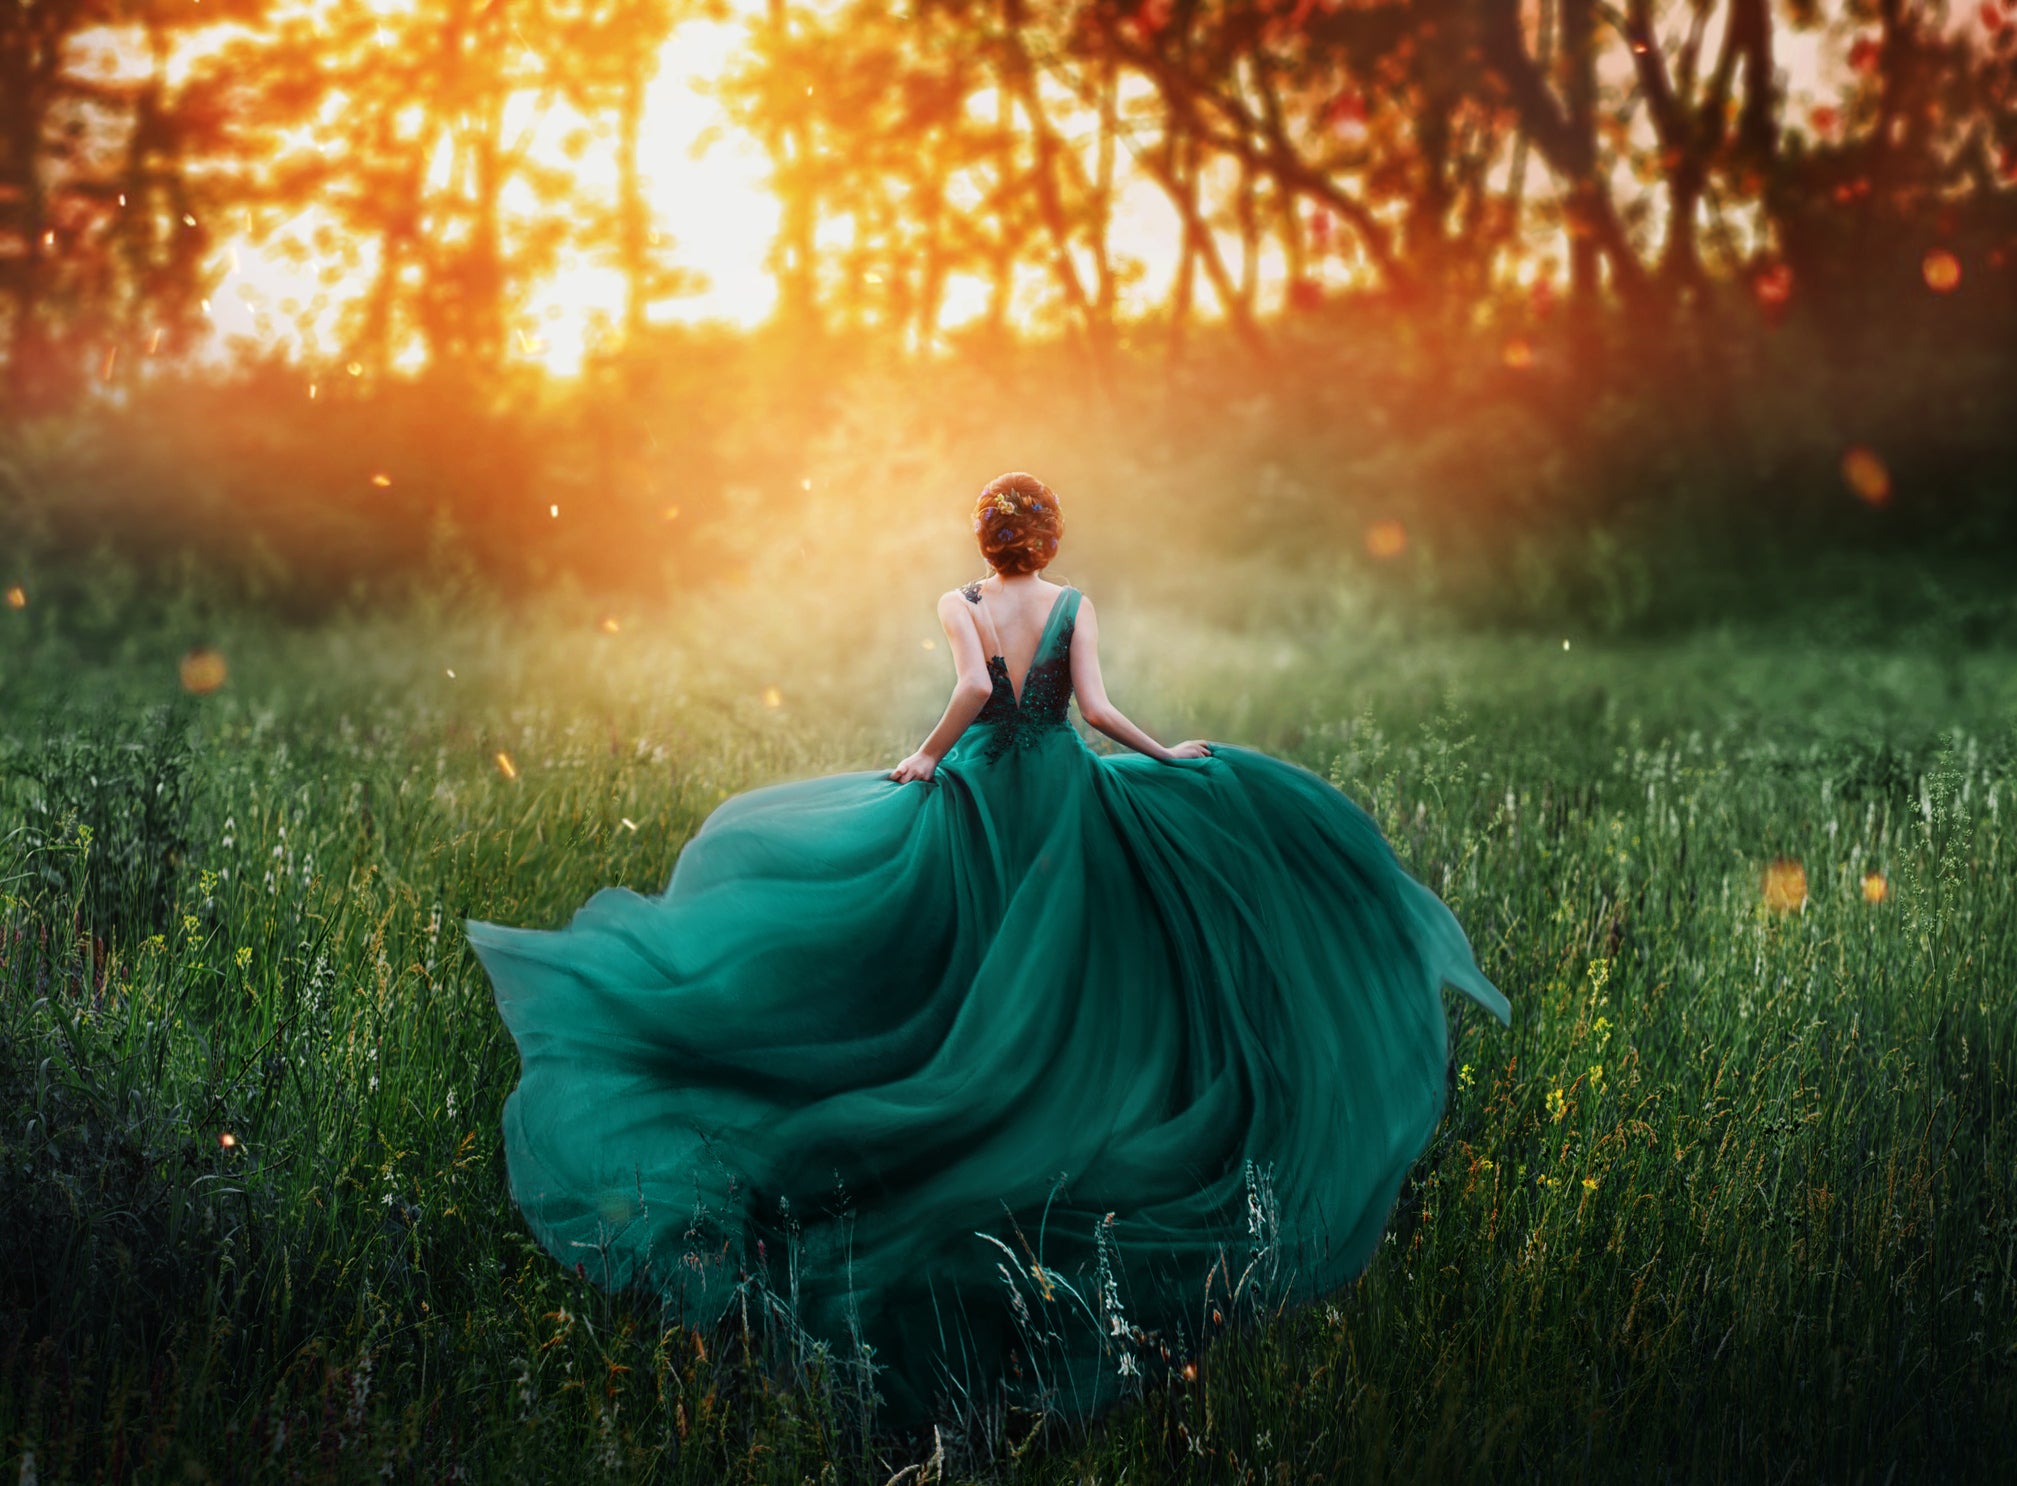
(1733, 1198)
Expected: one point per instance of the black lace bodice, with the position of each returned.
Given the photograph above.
(1047, 688)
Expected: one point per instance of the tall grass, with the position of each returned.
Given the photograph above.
(1732, 1198)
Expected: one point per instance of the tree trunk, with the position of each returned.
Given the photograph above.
(1579, 95)
(633, 213)
(798, 273)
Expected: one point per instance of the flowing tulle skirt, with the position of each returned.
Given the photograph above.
(1069, 1001)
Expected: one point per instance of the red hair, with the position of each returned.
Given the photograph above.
(1018, 523)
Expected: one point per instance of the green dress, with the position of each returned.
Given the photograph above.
(1008, 1058)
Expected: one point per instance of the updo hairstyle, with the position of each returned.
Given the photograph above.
(1018, 523)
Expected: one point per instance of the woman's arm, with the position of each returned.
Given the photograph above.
(970, 690)
(1092, 694)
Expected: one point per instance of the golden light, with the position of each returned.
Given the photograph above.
(772, 697)
(203, 670)
(609, 624)
(505, 766)
(1785, 886)
(356, 368)
(381, 481)
(1518, 354)
(226, 1139)
(311, 391)
(154, 341)
(1866, 474)
(1875, 888)
(931, 644)
(111, 360)
(1942, 270)
(671, 513)
(1385, 539)
(554, 511)
(17, 597)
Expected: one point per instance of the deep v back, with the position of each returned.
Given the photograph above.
(973, 595)
(1011, 720)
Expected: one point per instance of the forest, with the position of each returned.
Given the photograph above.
(1580, 430)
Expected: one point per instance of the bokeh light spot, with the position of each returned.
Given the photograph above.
(203, 670)
(1875, 888)
(17, 597)
(1942, 270)
(505, 766)
(1386, 539)
(1773, 285)
(772, 697)
(1866, 474)
(1785, 886)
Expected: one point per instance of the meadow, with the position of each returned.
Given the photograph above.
(1731, 1200)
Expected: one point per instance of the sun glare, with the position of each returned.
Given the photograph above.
(710, 212)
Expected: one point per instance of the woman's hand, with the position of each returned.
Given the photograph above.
(1189, 748)
(918, 766)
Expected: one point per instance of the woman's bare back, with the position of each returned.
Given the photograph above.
(1010, 619)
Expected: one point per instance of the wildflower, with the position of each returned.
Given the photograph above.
(1557, 1105)
(1465, 1077)
(243, 955)
(1596, 1072)
(1589, 1184)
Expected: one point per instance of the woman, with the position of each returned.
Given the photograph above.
(1011, 998)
